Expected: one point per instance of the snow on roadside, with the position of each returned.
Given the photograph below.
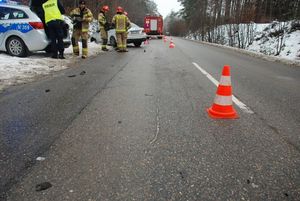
(16, 70)
(276, 41)
(268, 40)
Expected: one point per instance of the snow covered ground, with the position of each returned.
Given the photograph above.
(279, 40)
(15, 70)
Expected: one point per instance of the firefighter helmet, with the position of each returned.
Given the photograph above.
(120, 9)
(105, 8)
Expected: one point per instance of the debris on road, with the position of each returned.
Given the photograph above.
(40, 158)
(43, 186)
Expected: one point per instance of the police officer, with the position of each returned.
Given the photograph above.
(81, 16)
(104, 26)
(37, 7)
(53, 11)
(122, 23)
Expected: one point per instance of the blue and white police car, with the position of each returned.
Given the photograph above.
(21, 30)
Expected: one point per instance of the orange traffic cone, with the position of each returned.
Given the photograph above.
(146, 42)
(172, 45)
(222, 106)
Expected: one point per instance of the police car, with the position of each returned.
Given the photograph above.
(21, 30)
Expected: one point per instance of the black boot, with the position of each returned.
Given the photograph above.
(61, 55)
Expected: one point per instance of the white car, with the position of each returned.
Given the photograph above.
(22, 31)
(95, 37)
(136, 35)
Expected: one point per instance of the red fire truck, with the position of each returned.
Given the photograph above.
(153, 25)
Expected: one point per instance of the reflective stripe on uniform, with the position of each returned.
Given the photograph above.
(75, 49)
(84, 51)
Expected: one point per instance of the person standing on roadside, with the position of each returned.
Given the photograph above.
(104, 26)
(128, 27)
(53, 11)
(121, 22)
(82, 16)
(37, 7)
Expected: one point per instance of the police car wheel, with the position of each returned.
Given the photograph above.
(16, 47)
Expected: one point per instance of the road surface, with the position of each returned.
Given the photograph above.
(134, 126)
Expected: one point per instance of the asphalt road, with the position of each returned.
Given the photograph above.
(134, 127)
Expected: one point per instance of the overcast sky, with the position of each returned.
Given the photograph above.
(165, 6)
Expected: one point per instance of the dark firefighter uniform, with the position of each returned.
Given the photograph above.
(104, 27)
(121, 23)
(53, 18)
(81, 16)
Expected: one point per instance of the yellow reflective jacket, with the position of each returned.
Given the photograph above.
(87, 18)
(102, 20)
(51, 11)
(121, 23)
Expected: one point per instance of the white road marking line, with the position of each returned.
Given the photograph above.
(239, 103)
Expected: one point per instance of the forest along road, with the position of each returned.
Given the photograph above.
(134, 126)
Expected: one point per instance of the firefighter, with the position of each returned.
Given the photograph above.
(53, 11)
(122, 23)
(104, 26)
(128, 27)
(81, 16)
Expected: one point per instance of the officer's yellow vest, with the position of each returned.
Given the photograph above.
(120, 23)
(51, 11)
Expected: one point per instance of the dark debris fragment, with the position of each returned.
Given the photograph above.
(43, 186)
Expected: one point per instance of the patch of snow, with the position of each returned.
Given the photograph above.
(16, 70)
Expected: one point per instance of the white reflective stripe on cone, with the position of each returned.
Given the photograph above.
(223, 100)
(225, 80)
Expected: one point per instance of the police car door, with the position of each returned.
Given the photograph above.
(3, 17)
(12, 20)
